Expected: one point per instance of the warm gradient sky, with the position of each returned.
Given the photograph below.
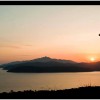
(68, 32)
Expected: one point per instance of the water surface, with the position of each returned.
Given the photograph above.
(38, 81)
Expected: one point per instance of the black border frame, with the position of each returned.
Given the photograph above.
(49, 2)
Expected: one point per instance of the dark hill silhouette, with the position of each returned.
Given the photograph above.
(48, 59)
(46, 64)
(88, 92)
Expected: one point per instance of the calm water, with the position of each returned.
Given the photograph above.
(39, 81)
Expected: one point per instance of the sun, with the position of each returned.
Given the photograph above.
(92, 59)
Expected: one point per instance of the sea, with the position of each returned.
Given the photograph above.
(46, 81)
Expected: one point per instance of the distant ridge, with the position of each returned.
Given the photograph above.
(46, 64)
(47, 59)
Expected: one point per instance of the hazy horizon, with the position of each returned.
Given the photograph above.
(62, 32)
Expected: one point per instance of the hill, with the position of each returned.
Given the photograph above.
(47, 64)
(88, 92)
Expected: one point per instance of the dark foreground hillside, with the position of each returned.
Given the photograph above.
(81, 93)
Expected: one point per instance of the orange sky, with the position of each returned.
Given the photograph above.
(63, 32)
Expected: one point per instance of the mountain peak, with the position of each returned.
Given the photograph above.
(45, 57)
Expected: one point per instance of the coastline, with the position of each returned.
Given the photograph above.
(87, 92)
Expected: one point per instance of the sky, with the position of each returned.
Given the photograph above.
(62, 32)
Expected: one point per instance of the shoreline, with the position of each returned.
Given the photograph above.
(86, 92)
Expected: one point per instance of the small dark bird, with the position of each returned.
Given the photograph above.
(99, 34)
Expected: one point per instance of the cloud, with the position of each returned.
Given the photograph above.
(16, 47)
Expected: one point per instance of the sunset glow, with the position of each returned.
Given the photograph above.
(92, 59)
(49, 49)
(62, 32)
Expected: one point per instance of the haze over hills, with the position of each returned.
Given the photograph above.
(47, 59)
(47, 64)
(42, 59)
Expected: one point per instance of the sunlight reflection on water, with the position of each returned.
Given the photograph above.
(51, 81)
